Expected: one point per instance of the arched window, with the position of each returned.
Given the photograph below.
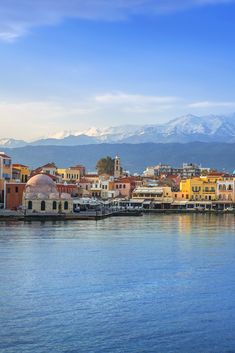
(54, 205)
(30, 205)
(66, 205)
(220, 187)
(43, 206)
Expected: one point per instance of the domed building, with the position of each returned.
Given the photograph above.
(41, 196)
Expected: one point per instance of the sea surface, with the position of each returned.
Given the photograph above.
(157, 283)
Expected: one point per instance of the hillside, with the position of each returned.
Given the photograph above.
(135, 157)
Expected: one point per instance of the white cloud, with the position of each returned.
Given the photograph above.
(18, 17)
(121, 98)
(211, 104)
(136, 103)
(32, 119)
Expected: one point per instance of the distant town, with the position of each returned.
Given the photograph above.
(51, 190)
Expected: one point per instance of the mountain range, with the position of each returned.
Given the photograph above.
(134, 157)
(189, 128)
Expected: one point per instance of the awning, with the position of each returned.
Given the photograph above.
(136, 201)
(146, 202)
(179, 203)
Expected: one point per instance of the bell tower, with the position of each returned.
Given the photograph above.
(117, 167)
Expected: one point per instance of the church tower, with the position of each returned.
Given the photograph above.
(117, 167)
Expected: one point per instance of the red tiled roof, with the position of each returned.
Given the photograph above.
(19, 165)
(91, 175)
(49, 165)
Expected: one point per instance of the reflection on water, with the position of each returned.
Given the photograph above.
(158, 283)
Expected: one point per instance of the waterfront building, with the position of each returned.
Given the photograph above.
(41, 196)
(199, 188)
(126, 185)
(20, 172)
(96, 189)
(84, 187)
(108, 189)
(225, 190)
(5, 167)
(157, 196)
(13, 192)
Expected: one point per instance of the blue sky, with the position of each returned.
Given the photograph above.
(69, 66)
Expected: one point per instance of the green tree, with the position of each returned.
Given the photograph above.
(105, 166)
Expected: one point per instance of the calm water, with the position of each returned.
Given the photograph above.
(162, 283)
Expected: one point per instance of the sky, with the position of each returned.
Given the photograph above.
(72, 65)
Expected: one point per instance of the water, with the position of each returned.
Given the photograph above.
(160, 283)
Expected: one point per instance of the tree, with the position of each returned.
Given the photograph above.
(105, 166)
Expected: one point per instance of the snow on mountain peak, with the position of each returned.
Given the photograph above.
(186, 128)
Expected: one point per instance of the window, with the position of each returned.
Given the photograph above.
(66, 205)
(30, 205)
(7, 162)
(17, 189)
(54, 205)
(43, 206)
(124, 186)
(8, 190)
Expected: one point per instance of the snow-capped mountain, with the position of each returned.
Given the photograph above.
(12, 143)
(189, 128)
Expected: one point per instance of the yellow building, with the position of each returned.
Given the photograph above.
(22, 172)
(72, 174)
(199, 188)
(161, 194)
(5, 167)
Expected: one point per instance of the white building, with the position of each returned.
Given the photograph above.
(41, 196)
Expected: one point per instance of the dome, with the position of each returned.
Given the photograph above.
(65, 196)
(54, 195)
(41, 184)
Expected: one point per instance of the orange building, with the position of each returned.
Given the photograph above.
(13, 192)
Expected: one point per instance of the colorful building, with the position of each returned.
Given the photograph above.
(41, 196)
(156, 195)
(72, 174)
(13, 192)
(20, 172)
(5, 167)
(225, 190)
(199, 188)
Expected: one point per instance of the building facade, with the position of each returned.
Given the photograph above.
(41, 196)
(5, 167)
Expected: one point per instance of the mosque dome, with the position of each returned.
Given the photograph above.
(41, 184)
